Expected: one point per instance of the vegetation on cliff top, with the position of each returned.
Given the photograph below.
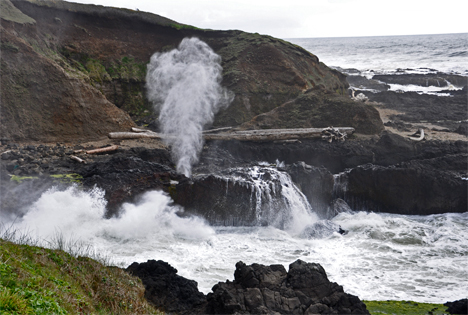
(35, 280)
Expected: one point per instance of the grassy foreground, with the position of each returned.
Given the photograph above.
(36, 280)
(404, 307)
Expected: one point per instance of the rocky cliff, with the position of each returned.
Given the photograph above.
(67, 69)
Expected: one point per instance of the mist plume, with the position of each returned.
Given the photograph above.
(184, 85)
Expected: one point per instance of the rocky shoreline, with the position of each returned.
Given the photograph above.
(99, 67)
(256, 289)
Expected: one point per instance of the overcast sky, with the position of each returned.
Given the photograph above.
(312, 18)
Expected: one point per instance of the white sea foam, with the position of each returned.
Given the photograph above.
(185, 87)
(434, 90)
(384, 256)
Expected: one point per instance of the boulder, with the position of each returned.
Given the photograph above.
(165, 289)
(259, 289)
(457, 307)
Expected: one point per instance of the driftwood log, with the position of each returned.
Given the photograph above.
(418, 136)
(103, 150)
(135, 135)
(273, 134)
(138, 130)
(217, 130)
(73, 157)
(245, 135)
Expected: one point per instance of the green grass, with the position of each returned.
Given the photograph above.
(404, 307)
(68, 178)
(20, 179)
(36, 280)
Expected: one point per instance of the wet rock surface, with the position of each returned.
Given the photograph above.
(304, 289)
(416, 187)
(445, 111)
(166, 289)
(127, 173)
(457, 307)
(316, 183)
(439, 79)
(123, 174)
(256, 289)
(126, 177)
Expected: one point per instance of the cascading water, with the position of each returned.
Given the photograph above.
(275, 199)
(383, 256)
(184, 85)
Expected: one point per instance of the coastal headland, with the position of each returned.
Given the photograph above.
(71, 74)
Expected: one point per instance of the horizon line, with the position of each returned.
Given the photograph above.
(359, 36)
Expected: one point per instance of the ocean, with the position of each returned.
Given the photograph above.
(446, 53)
(383, 256)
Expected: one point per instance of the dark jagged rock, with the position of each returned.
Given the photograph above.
(358, 81)
(125, 177)
(462, 128)
(457, 307)
(335, 156)
(415, 187)
(218, 200)
(432, 79)
(387, 150)
(166, 289)
(338, 206)
(244, 196)
(256, 289)
(392, 149)
(259, 289)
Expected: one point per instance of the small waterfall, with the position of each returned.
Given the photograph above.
(340, 186)
(274, 198)
(355, 202)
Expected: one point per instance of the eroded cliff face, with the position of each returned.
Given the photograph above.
(43, 98)
(65, 65)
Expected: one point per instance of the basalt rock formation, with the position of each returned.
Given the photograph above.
(166, 289)
(417, 187)
(256, 289)
(457, 307)
(304, 289)
(66, 68)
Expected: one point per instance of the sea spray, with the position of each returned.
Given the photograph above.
(185, 87)
(383, 256)
(79, 214)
